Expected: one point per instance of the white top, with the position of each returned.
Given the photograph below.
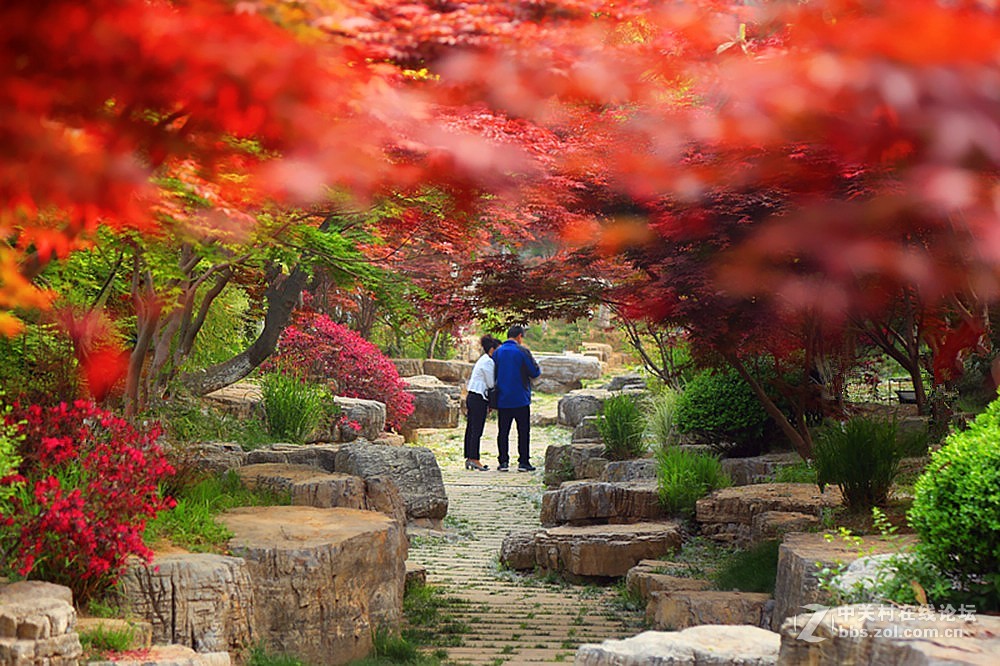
(482, 376)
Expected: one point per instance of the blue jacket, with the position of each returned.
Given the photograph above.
(515, 368)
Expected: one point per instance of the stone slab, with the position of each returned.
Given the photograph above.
(680, 609)
(604, 551)
(698, 646)
(589, 503)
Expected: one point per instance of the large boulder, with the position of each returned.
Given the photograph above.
(587, 503)
(324, 579)
(757, 469)
(587, 431)
(565, 462)
(649, 576)
(569, 368)
(38, 625)
(323, 456)
(435, 404)
(241, 399)
(200, 600)
(451, 372)
(595, 551)
(628, 381)
(707, 645)
(214, 457)
(801, 556)
(680, 609)
(409, 367)
(727, 515)
(576, 405)
(414, 471)
(358, 418)
(875, 635)
(617, 471)
(598, 350)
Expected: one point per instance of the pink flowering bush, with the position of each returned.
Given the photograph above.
(354, 367)
(86, 485)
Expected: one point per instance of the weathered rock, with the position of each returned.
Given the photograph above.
(170, 655)
(603, 551)
(243, 400)
(416, 575)
(727, 514)
(141, 632)
(214, 457)
(698, 646)
(575, 405)
(569, 368)
(648, 576)
(587, 503)
(631, 380)
(773, 525)
(758, 469)
(201, 600)
(600, 350)
(518, 551)
(542, 419)
(324, 579)
(435, 404)
(323, 456)
(617, 471)
(587, 430)
(875, 635)
(37, 625)
(565, 462)
(389, 439)
(594, 468)
(680, 609)
(800, 558)
(864, 573)
(549, 385)
(414, 470)
(409, 367)
(307, 486)
(367, 415)
(450, 372)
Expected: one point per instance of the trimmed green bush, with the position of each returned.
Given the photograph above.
(662, 423)
(719, 408)
(684, 477)
(293, 407)
(622, 427)
(861, 457)
(956, 508)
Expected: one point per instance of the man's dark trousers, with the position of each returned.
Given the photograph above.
(522, 415)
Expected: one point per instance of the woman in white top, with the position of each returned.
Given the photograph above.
(477, 403)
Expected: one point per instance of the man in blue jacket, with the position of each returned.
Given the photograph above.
(515, 368)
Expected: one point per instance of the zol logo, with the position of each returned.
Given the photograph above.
(816, 617)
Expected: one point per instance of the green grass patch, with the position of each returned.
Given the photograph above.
(192, 525)
(751, 570)
(188, 421)
(259, 656)
(102, 639)
(432, 619)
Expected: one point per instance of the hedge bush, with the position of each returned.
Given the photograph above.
(956, 508)
(721, 409)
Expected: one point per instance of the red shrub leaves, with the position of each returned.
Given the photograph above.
(354, 366)
(87, 486)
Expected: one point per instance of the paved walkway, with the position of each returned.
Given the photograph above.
(512, 618)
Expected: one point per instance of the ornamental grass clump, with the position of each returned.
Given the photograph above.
(684, 477)
(293, 407)
(622, 427)
(662, 422)
(861, 457)
(86, 485)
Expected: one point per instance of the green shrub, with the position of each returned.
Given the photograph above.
(751, 570)
(107, 639)
(9, 458)
(719, 408)
(956, 508)
(800, 472)
(861, 457)
(684, 478)
(259, 656)
(622, 426)
(662, 424)
(293, 407)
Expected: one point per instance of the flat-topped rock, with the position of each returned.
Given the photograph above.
(774, 525)
(357, 419)
(214, 457)
(566, 462)
(599, 350)
(201, 600)
(587, 430)
(576, 405)
(708, 645)
(570, 368)
(648, 576)
(324, 579)
(244, 400)
(874, 634)
(617, 471)
(450, 372)
(630, 380)
(758, 469)
(307, 485)
(435, 404)
(586, 503)
(800, 557)
(323, 456)
(679, 609)
(409, 367)
(167, 655)
(592, 551)
(727, 515)
(37, 625)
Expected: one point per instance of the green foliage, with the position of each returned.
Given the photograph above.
(38, 366)
(800, 472)
(259, 656)
(189, 421)
(390, 648)
(192, 524)
(107, 639)
(622, 427)
(956, 508)
(718, 407)
(429, 618)
(751, 570)
(861, 457)
(228, 330)
(9, 458)
(662, 423)
(292, 406)
(684, 478)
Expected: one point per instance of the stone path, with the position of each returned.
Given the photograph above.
(512, 618)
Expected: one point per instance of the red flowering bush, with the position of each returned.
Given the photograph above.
(354, 366)
(86, 486)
